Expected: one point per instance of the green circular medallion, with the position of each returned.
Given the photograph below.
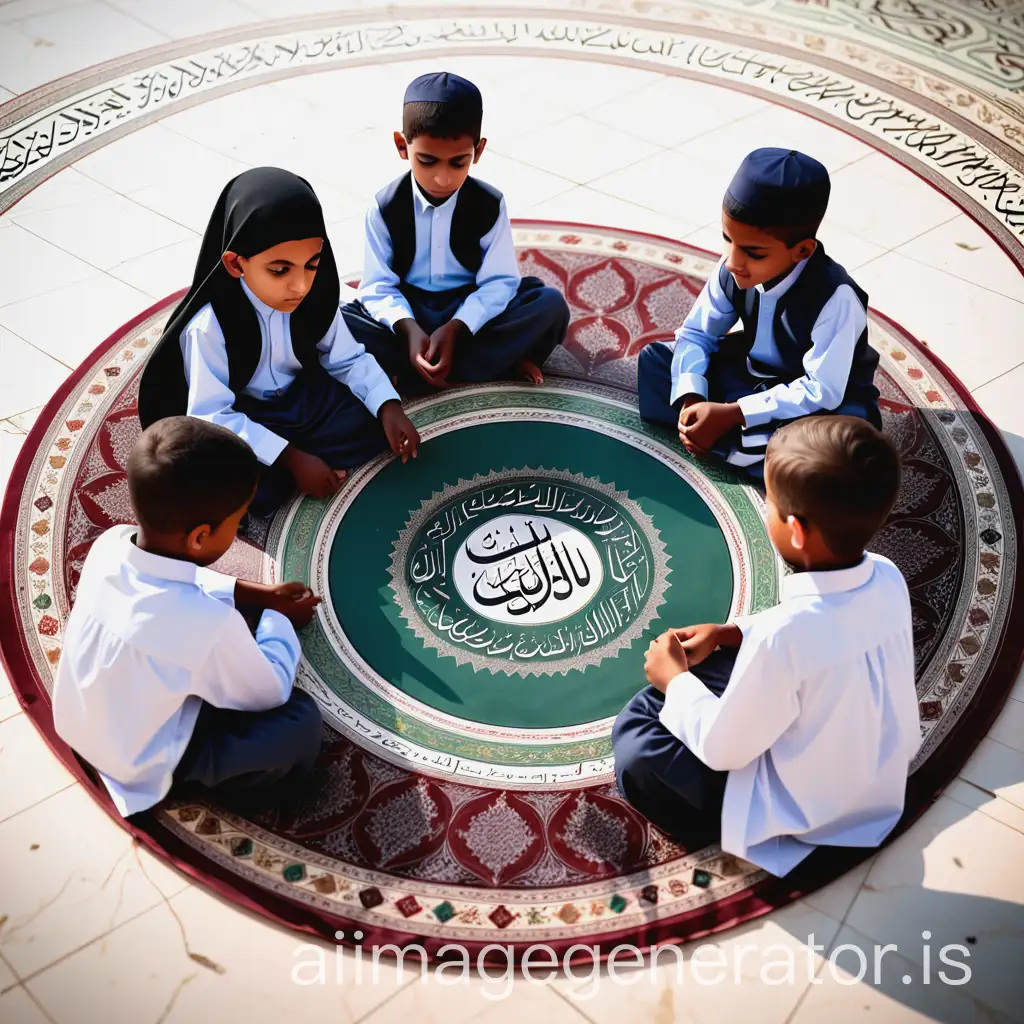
(487, 605)
(534, 574)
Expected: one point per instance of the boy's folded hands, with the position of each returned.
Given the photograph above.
(441, 351)
(665, 659)
(678, 650)
(700, 641)
(431, 355)
(702, 424)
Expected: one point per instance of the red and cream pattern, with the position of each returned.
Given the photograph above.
(435, 860)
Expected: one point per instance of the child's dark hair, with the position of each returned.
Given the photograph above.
(184, 472)
(837, 473)
(790, 234)
(441, 120)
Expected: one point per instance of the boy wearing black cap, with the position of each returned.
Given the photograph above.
(804, 344)
(441, 299)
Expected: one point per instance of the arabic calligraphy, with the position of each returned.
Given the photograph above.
(28, 144)
(527, 569)
(499, 587)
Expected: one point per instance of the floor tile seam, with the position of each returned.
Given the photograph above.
(951, 273)
(36, 803)
(981, 810)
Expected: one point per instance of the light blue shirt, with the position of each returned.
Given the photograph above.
(148, 640)
(435, 268)
(206, 367)
(819, 724)
(826, 363)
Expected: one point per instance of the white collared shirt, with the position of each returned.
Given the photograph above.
(435, 268)
(148, 639)
(819, 723)
(826, 363)
(206, 366)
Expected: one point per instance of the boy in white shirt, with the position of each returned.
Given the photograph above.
(160, 678)
(797, 726)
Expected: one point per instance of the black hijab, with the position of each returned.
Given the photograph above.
(259, 209)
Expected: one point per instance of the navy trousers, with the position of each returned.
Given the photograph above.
(240, 751)
(728, 380)
(318, 415)
(656, 772)
(530, 327)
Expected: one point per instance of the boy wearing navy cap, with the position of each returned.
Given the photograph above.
(804, 344)
(441, 299)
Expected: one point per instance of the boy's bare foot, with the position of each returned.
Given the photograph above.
(530, 372)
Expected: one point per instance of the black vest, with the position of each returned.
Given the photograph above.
(477, 206)
(243, 358)
(796, 314)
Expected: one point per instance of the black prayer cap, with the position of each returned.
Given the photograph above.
(444, 87)
(778, 188)
(257, 210)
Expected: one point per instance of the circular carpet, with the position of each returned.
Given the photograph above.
(485, 612)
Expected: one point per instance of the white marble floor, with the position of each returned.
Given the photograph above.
(92, 929)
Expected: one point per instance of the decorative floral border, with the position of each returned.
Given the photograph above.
(376, 899)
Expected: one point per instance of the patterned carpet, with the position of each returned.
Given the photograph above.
(467, 792)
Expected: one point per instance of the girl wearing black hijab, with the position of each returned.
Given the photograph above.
(258, 345)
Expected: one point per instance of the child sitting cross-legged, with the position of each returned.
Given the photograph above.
(259, 345)
(441, 300)
(160, 678)
(803, 348)
(796, 726)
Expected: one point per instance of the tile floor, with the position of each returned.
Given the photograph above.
(91, 928)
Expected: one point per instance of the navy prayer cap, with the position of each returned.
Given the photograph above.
(443, 87)
(778, 188)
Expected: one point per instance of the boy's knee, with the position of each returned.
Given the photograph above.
(654, 382)
(628, 748)
(551, 303)
(306, 724)
(651, 361)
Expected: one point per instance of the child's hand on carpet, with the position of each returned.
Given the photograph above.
(312, 475)
(402, 436)
(701, 424)
(294, 600)
(530, 372)
(665, 660)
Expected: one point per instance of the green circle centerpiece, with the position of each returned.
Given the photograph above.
(537, 574)
(487, 605)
